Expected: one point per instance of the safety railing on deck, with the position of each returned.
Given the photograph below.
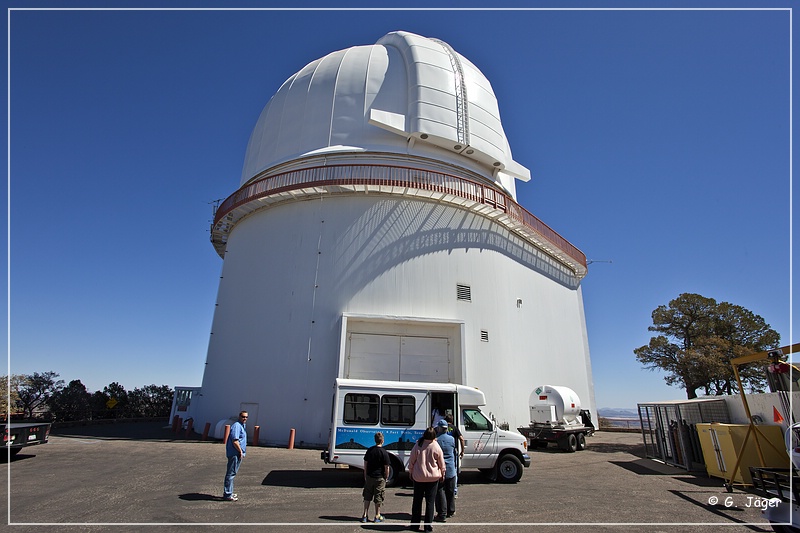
(395, 176)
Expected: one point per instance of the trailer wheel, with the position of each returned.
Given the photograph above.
(568, 443)
(581, 442)
(509, 469)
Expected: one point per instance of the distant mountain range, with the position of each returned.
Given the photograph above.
(611, 412)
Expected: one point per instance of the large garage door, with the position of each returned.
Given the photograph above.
(396, 357)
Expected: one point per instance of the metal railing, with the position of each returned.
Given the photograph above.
(374, 176)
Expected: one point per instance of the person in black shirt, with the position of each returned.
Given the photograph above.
(376, 471)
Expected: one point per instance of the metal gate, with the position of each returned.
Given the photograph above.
(670, 433)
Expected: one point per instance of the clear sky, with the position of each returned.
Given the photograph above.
(657, 139)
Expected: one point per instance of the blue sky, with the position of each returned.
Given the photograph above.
(657, 139)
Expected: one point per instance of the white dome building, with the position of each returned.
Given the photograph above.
(376, 235)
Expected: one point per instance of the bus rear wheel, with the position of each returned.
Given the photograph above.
(395, 468)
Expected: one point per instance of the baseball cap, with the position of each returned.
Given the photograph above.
(442, 423)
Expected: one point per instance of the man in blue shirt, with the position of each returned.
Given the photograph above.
(445, 498)
(235, 449)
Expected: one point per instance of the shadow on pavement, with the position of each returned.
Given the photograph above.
(158, 430)
(196, 497)
(21, 456)
(340, 518)
(384, 526)
(343, 478)
(702, 481)
(398, 516)
(617, 447)
(718, 509)
(314, 479)
(600, 447)
(472, 477)
(648, 467)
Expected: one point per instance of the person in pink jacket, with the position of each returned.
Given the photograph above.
(427, 469)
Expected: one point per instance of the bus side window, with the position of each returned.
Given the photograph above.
(361, 409)
(397, 410)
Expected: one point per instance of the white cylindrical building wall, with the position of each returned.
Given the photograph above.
(293, 271)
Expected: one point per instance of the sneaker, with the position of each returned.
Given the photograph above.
(364, 520)
(379, 519)
(231, 498)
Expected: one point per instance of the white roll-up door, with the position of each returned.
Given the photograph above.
(373, 357)
(424, 359)
(396, 357)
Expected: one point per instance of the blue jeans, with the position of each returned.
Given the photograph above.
(233, 468)
(445, 501)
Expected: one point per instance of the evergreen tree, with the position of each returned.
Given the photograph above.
(73, 402)
(697, 339)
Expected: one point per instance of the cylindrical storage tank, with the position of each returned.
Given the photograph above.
(555, 404)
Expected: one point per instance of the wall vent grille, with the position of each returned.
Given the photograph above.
(484, 336)
(464, 293)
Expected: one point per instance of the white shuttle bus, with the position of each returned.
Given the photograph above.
(403, 410)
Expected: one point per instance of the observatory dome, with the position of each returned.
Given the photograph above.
(406, 94)
(376, 237)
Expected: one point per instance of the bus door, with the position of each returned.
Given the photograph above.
(442, 404)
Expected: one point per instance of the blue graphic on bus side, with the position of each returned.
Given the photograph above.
(354, 438)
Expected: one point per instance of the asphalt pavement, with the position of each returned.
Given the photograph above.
(142, 476)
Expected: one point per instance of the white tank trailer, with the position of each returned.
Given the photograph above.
(556, 416)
